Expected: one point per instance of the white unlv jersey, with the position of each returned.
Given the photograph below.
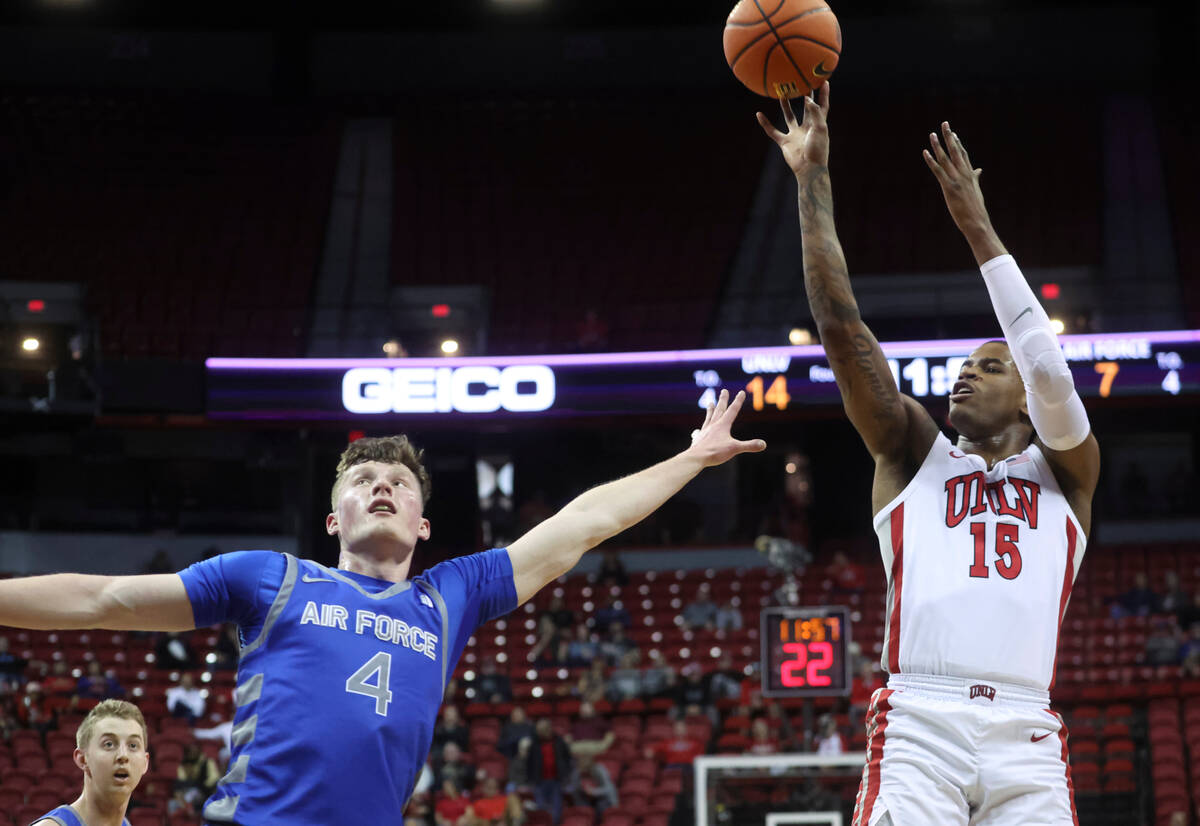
(980, 565)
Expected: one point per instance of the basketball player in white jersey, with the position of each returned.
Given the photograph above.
(981, 538)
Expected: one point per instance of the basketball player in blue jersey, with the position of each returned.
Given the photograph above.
(342, 670)
(112, 751)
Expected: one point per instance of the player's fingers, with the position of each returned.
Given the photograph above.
(768, 127)
(751, 446)
(789, 114)
(934, 166)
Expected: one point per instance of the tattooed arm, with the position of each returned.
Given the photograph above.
(895, 428)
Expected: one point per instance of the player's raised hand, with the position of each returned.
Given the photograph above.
(805, 144)
(713, 443)
(947, 159)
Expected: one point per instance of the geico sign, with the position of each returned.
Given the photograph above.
(521, 388)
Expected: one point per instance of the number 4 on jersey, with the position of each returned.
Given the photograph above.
(357, 683)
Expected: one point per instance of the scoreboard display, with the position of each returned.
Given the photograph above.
(1165, 364)
(805, 651)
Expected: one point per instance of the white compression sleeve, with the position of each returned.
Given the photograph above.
(1054, 406)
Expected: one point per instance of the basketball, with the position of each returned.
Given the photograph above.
(782, 48)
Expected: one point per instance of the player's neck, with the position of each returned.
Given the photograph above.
(95, 809)
(375, 563)
(997, 447)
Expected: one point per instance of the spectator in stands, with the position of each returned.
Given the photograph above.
(1174, 597)
(762, 739)
(779, 726)
(186, 700)
(613, 611)
(701, 612)
(729, 616)
(452, 808)
(592, 685)
(490, 685)
(593, 786)
(591, 333)
(174, 651)
(617, 645)
(692, 695)
(34, 709)
(1190, 647)
(558, 612)
(625, 681)
(550, 767)
(725, 681)
(12, 666)
(519, 781)
(197, 775)
(1138, 601)
(60, 686)
(582, 649)
(451, 765)
(828, 740)
(658, 678)
(98, 685)
(1162, 643)
(160, 563)
(590, 734)
(612, 570)
(492, 807)
(847, 577)
(678, 750)
(515, 728)
(864, 684)
(450, 728)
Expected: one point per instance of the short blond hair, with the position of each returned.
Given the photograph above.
(109, 708)
(393, 450)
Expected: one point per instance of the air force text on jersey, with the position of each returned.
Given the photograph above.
(366, 623)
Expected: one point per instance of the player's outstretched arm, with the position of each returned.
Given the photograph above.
(892, 426)
(554, 547)
(1057, 412)
(148, 602)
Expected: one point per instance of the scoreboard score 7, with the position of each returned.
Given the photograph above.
(805, 651)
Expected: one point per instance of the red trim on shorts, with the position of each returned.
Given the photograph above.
(1062, 738)
(1068, 580)
(870, 782)
(897, 519)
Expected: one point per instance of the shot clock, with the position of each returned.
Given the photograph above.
(805, 651)
(776, 380)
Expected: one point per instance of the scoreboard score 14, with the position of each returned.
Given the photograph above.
(805, 651)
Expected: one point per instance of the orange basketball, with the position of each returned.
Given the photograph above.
(782, 48)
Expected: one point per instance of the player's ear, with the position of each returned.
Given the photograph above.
(331, 524)
(423, 529)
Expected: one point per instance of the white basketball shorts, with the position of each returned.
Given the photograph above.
(957, 752)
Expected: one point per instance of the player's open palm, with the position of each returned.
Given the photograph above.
(713, 443)
(958, 179)
(805, 144)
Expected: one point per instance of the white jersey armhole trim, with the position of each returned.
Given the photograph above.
(1040, 458)
(885, 512)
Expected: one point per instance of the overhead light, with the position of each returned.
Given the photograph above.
(1057, 326)
(449, 346)
(30, 344)
(799, 336)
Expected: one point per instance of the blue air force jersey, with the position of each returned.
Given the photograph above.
(65, 816)
(340, 679)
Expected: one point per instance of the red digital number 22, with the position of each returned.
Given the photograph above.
(809, 670)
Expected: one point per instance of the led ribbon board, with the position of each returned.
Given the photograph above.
(776, 379)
